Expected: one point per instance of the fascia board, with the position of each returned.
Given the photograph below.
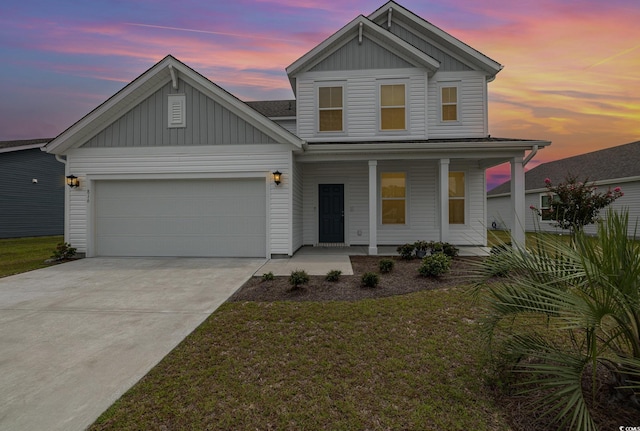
(22, 148)
(479, 58)
(381, 36)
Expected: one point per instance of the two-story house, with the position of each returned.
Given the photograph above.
(387, 142)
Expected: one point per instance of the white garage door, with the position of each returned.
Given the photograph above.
(209, 218)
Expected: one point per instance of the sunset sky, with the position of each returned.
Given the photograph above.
(571, 76)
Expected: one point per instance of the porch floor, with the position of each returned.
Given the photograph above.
(320, 260)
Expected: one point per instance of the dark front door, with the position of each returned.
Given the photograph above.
(331, 210)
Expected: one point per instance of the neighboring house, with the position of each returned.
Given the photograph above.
(608, 168)
(387, 142)
(31, 190)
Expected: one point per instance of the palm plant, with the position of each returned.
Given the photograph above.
(566, 313)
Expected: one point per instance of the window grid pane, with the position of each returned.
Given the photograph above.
(393, 196)
(449, 104)
(330, 109)
(392, 119)
(456, 198)
(392, 107)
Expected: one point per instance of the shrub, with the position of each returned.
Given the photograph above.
(333, 275)
(297, 278)
(370, 279)
(435, 265)
(268, 276)
(385, 265)
(406, 251)
(450, 250)
(63, 251)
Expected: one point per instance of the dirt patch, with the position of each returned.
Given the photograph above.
(404, 278)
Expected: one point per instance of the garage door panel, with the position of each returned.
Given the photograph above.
(181, 218)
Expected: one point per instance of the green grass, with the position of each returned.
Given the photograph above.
(405, 362)
(25, 254)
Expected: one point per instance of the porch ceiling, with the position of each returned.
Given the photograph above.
(486, 151)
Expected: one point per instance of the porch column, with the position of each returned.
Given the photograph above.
(444, 200)
(373, 208)
(517, 203)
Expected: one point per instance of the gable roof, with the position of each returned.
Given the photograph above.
(438, 36)
(166, 70)
(618, 162)
(373, 32)
(23, 144)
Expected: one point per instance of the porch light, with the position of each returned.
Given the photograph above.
(277, 177)
(73, 181)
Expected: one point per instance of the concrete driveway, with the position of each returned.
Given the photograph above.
(74, 337)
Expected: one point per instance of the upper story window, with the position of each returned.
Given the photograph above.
(449, 99)
(456, 198)
(330, 109)
(393, 186)
(392, 107)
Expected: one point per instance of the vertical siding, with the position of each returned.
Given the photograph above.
(472, 106)
(356, 56)
(207, 123)
(205, 162)
(448, 63)
(27, 208)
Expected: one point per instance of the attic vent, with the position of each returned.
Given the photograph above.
(177, 110)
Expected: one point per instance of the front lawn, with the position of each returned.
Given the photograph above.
(405, 362)
(25, 254)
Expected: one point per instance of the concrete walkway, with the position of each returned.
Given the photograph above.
(74, 337)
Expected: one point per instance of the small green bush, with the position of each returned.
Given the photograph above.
(370, 279)
(406, 251)
(450, 250)
(297, 278)
(435, 265)
(386, 265)
(333, 275)
(63, 251)
(268, 276)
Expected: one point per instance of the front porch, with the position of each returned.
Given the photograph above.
(320, 260)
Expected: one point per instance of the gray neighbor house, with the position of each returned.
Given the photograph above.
(387, 142)
(31, 190)
(609, 168)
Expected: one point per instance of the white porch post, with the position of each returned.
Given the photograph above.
(444, 200)
(373, 208)
(517, 203)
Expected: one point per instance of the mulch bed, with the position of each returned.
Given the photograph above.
(404, 278)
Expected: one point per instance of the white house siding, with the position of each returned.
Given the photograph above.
(472, 108)
(422, 201)
(361, 104)
(498, 208)
(289, 124)
(232, 161)
(297, 206)
(474, 231)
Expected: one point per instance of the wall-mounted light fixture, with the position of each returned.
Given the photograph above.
(73, 181)
(277, 177)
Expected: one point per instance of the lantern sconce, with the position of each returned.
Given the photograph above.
(73, 181)
(277, 177)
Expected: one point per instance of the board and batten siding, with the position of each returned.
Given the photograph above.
(361, 56)
(30, 208)
(207, 123)
(472, 106)
(257, 161)
(361, 103)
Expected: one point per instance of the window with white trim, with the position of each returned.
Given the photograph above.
(330, 109)
(393, 188)
(456, 197)
(393, 107)
(449, 103)
(546, 201)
